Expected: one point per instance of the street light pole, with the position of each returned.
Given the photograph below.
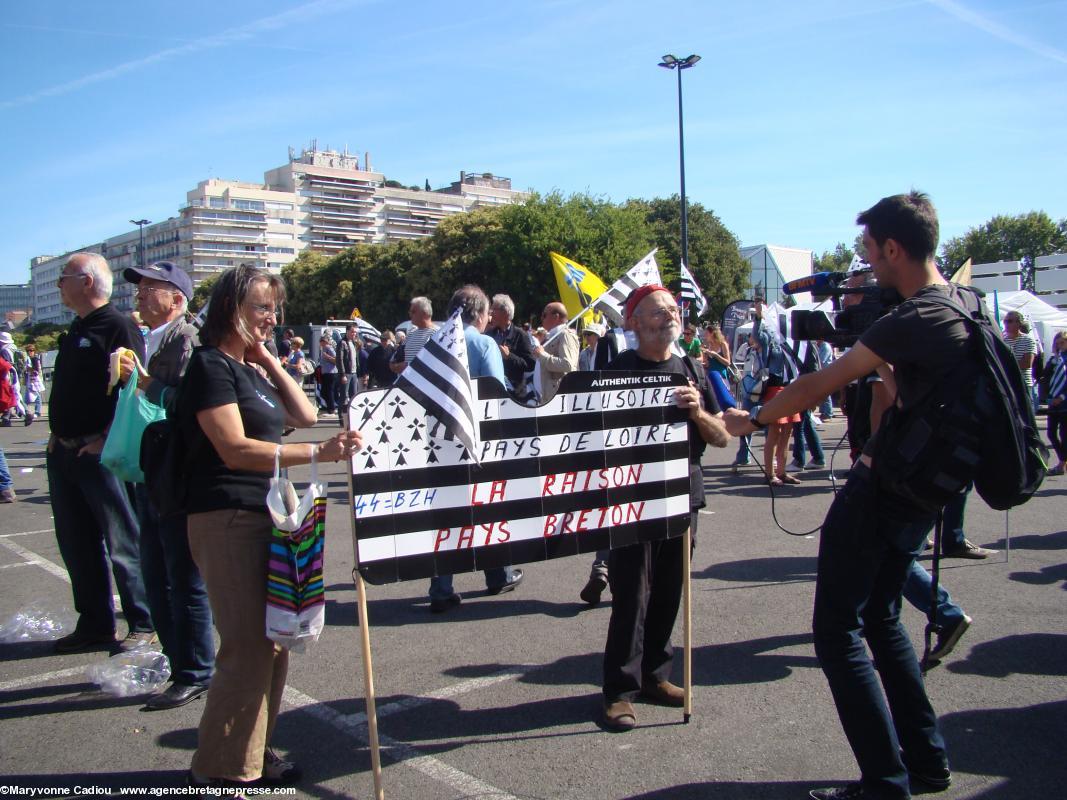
(140, 223)
(670, 62)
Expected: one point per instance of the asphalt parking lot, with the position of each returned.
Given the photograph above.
(499, 698)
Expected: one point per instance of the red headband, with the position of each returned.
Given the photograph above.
(639, 294)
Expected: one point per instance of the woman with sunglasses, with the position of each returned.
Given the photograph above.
(236, 399)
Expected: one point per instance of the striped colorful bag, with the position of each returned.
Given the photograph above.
(296, 603)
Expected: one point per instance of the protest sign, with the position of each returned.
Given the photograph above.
(604, 464)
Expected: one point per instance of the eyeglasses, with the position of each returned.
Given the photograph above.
(64, 276)
(661, 313)
(142, 289)
(266, 311)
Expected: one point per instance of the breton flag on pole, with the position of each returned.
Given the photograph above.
(691, 291)
(611, 302)
(367, 331)
(439, 380)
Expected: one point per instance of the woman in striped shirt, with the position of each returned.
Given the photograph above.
(1057, 402)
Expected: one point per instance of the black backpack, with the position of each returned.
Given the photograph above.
(982, 430)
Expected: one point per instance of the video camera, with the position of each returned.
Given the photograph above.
(840, 327)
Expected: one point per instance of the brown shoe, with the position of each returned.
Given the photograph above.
(619, 716)
(664, 692)
(8, 496)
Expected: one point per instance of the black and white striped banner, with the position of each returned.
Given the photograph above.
(642, 273)
(604, 464)
(690, 291)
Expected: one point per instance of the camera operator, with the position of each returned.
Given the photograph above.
(870, 537)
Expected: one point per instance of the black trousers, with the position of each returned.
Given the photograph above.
(646, 590)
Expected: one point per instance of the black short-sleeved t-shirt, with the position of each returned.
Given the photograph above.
(926, 343)
(212, 380)
(629, 360)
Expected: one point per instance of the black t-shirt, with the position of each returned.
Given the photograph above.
(927, 344)
(79, 404)
(630, 361)
(212, 380)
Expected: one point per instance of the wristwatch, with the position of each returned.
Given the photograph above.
(752, 417)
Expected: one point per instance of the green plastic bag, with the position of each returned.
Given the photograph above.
(133, 413)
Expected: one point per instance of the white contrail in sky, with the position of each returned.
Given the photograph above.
(240, 33)
(965, 14)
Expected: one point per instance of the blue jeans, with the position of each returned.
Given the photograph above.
(826, 408)
(95, 524)
(952, 536)
(176, 593)
(868, 544)
(345, 390)
(805, 430)
(917, 592)
(5, 474)
(441, 585)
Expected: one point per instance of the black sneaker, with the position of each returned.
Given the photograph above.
(853, 791)
(948, 638)
(439, 605)
(593, 588)
(79, 640)
(515, 580)
(938, 780)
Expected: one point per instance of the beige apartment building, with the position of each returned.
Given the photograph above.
(322, 199)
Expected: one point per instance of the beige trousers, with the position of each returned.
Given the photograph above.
(231, 548)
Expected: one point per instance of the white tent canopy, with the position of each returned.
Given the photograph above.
(1046, 320)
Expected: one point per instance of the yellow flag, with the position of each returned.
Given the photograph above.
(578, 287)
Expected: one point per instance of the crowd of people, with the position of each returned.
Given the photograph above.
(234, 393)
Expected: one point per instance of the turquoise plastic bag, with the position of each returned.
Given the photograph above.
(133, 413)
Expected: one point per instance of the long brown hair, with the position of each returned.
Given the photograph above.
(231, 290)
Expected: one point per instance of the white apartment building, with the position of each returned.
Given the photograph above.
(322, 199)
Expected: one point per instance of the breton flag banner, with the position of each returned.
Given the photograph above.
(578, 286)
(644, 272)
(691, 291)
(439, 380)
(367, 331)
(604, 464)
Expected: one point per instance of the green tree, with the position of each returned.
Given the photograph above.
(836, 261)
(714, 252)
(1023, 238)
(201, 294)
(506, 249)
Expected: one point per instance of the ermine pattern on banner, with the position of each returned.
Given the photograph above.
(604, 464)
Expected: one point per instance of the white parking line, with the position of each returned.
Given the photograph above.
(26, 533)
(354, 725)
(44, 677)
(33, 558)
(17, 564)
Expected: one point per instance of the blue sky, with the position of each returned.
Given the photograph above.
(799, 115)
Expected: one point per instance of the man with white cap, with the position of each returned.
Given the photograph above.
(590, 336)
(176, 593)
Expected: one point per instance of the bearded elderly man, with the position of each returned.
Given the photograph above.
(646, 578)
